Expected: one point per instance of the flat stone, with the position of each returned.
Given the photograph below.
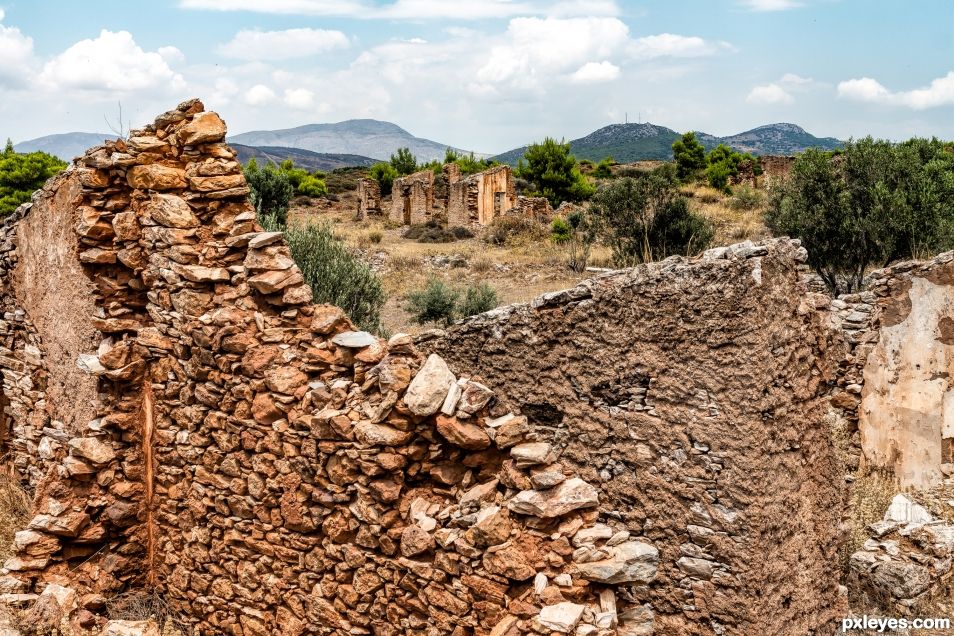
(571, 495)
(354, 339)
(203, 129)
(263, 239)
(562, 617)
(904, 510)
(156, 177)
(533, 453)
(131, 628)
(275, 281)
(93, 449)
(474, 397)
(200, 274)
(90, 363)
(380, 435)
(463, 434)
(170, 210)
(427, 390)
(629, 562)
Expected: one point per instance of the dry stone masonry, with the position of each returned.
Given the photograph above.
(646, 453)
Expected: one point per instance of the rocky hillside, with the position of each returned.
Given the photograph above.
(365, 137)
(63, 145)
(307, 159)
(639, 142)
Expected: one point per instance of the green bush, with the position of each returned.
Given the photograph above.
(270, 190)
(603, 169)
(434, 232)
(437, 302)
(723, 163)
(560, 230)
(384, 174)
(876, 203)
(690, 156)
(514, 230)
(312, 186)
(404, 162)
(22, 174)
(335, 275)
(478, 299)
(552, 172)
(746, 198)
(647, 218)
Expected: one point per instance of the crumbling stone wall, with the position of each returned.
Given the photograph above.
(694, 394)
(479, 198)
(412, 198)
(369, 198)
(537, 208)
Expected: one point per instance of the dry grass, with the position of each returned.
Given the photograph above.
(15, 504)
(871, 493)
(142, 605)
(733, 224)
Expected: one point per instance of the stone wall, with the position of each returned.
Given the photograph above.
(693, 393)
(412, 198)
(479, 198)
(369, 198)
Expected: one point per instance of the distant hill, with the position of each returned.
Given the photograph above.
(363, 137)
(66, 146)
(307, 159)
(638, 142)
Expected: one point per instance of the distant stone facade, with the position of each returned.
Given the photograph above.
(412, 198)
(538, 208)
(369, 198)
(480, 198)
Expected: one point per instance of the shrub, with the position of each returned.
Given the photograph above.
(384, 174)
(877, 203)
(725, 163)
(603, 169)
(22, 174)
(648, 219)
(468, 164)
(270, 190)
(510, 230)
(553, 173)
(434, 232)
(312, 186)
(335, 275)
(437, 302)
(560, 230)
(690, 156)
(746, 198)
(404, 162)
(375, 236)
(478, 299)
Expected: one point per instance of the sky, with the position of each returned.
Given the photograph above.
(486, 75)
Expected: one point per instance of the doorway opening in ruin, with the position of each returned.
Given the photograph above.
(407, 208)
(947, 450)
(498, 202)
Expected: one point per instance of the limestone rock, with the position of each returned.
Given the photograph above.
(509, 560)
(568, 496)
(170, 210)
(629, 562)
(93, 449)
(156, 176)
(380, 435)
(354, 339)
(203, 129)
(904, 510)
(131, 628)
(562, 617)
(415, 540)
(463, 434)
(427, 390)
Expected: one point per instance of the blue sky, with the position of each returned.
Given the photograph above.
(486, 75)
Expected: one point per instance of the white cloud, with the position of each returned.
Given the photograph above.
(259, 95)
(16, 54)
(940, 92)
(282, 45)
(770, 5)
(299, 97)
(413, 9)
(795, 80)
(672, 45)
(111, 62)
(595, 72)
(769, 94)
(171, 54)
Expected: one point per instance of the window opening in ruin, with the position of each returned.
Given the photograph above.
(498, 202)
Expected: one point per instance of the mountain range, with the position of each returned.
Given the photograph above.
(637, 142)
(361, 142)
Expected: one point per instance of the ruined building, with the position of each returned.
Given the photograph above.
(412, 198)
(369, 198)
(646, 453)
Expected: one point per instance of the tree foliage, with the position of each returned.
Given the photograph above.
(690, 156)
(404, 162)
(552, 172)
(874, 203)
(468, 164)
(437, 302)
(335, 274)
(723, 163)
(384, 174)
(21, 174)
(309, 184)
(646, 218)
(270, 190)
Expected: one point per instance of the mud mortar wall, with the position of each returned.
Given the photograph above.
(692, 394)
